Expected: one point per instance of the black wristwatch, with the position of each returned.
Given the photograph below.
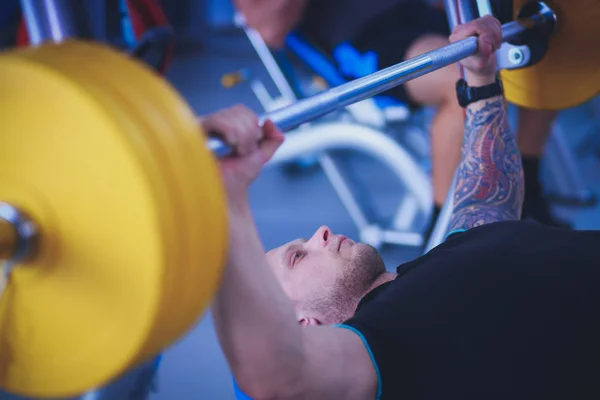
(467, 95)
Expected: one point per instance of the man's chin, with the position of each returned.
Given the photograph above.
(370, 261)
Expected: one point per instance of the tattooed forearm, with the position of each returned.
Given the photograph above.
(490, 184)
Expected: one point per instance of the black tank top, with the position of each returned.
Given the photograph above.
(509, 310)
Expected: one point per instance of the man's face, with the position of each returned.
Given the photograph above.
(326, 275)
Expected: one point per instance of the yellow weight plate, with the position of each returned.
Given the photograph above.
(569, 73)
(141, 106)
(197, 284)
(173, 329)
(191, 295)
(80, 311)
(141, 103)
(214, 242)
(91, 63)
(133, 83)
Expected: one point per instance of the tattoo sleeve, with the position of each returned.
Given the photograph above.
(490, 184)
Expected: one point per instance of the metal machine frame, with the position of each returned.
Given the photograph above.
(320, 138)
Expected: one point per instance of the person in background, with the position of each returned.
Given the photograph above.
(396, 30)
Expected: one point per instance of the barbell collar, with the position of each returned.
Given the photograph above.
(306, 110)
(18, 235)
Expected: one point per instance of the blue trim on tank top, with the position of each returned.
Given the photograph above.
(364, 340)
(239, 395)
(453, 232)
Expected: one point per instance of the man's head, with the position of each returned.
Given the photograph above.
(326, 275)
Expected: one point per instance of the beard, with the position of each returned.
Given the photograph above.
(361, 272)
(353, 282)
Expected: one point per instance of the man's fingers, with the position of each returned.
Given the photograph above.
(487, 28)
(464, 31)
(247, 130)
(238, 126)
(492, 29)
(484, 46)
(271, 141)
(246, 120)
(223, 127)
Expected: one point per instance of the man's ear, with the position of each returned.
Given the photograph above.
(307, 321)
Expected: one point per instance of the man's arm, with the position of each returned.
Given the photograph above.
(269, 353)
(490, 185)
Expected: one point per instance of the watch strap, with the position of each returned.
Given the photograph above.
(468, 95)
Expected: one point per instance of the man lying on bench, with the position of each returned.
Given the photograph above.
(503, 309)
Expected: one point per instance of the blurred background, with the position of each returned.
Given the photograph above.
(368, 195)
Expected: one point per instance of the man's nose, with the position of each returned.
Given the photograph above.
(322, 236)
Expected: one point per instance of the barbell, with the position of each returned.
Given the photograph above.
(538, 17)
(112, 215)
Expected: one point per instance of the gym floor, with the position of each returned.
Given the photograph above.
(286, 208)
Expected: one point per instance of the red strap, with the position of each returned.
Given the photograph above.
(22, 35)
(145, 14)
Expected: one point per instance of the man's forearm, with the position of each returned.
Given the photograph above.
(254, 319)
(490, 184)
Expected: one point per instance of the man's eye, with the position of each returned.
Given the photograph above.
(295, 257)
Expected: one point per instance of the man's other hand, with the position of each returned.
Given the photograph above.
(481, 66)
(253, 147)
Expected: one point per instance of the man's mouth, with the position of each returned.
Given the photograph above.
(342, 240)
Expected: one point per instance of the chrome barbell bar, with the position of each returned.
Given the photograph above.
(294, 115)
